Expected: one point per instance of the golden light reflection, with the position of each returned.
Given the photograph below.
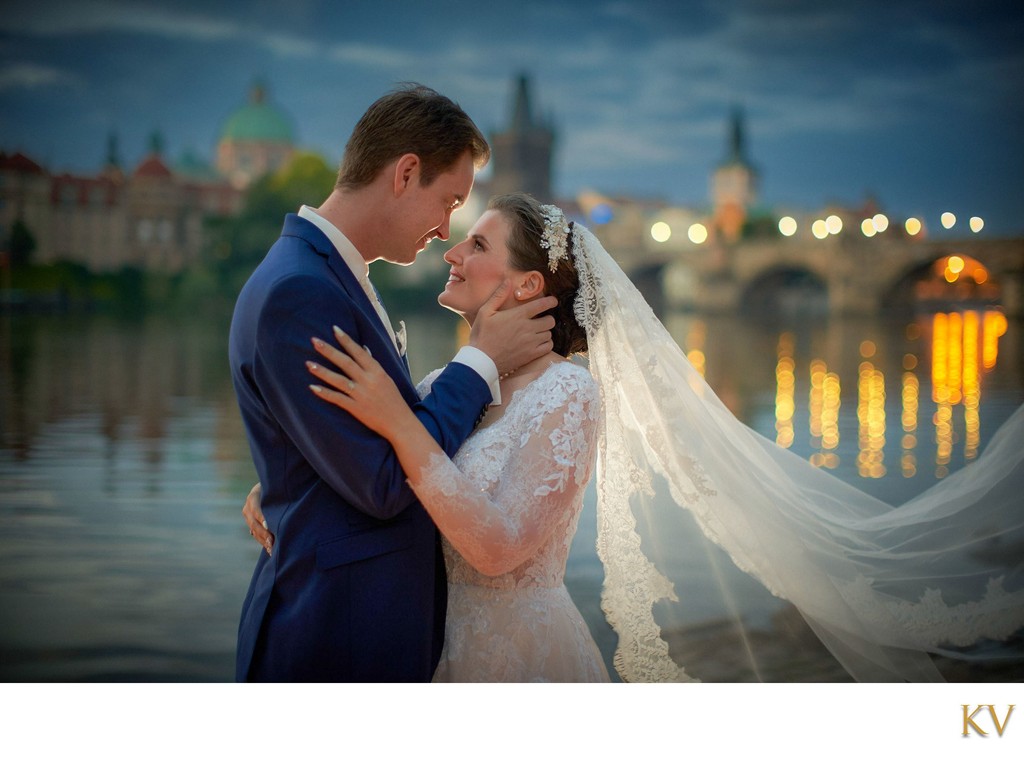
(787, 226)
(971, 386)
(868, 228)
(695, 340)
(785, 383)
(913, 226)
(824, 404)
(994, 326)
(871, 418)
(957, 370)
(948, 220)
(911, 400)
(819, 229)
(977, 224)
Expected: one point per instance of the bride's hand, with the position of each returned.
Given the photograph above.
(361, 387)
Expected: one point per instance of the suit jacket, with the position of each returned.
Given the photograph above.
(355, 589)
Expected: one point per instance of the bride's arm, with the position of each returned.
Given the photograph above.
(493, 533)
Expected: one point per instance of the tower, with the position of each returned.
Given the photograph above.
(733, 184)
(521, 154)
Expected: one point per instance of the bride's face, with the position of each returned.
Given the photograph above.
(479, 264)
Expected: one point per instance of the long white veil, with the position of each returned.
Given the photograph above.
(880, 586)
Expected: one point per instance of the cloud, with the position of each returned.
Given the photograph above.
(29, 76)
(72, 19)
(370, 56)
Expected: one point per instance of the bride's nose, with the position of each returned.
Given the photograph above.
(453, 255)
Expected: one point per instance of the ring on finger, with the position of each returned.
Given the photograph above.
(351, 385)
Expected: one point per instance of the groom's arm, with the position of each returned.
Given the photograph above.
(358, 464)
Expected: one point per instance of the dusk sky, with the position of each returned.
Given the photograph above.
(918, 104)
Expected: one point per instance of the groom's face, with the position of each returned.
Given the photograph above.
(427, 210)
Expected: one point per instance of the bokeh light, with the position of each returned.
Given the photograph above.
(787, 226)
(868, 228)
(834, 224)
(913, 226)
(661, 231)
(601, 213)
(977, 224)
(880, 222)
(819, 229)
(948, 220)
(697, 233)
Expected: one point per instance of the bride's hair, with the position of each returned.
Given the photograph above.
(526, 230)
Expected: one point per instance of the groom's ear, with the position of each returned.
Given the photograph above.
(407, 173)
(528, 285)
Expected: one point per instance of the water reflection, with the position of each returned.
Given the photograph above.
(123, 464)
(956, 353)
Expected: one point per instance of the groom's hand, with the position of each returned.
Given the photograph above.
(513, 336)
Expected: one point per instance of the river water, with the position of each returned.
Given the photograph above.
(124, 465)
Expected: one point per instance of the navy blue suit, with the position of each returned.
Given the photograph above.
(355, 590)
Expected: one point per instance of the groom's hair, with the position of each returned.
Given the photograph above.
(411, 119)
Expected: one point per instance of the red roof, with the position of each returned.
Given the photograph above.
(152, 166)
(20, 163)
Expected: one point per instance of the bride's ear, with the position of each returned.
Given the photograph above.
(528, 285)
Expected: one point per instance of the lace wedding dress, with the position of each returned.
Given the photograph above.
(512, 500)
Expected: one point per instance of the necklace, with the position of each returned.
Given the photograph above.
(508, 374)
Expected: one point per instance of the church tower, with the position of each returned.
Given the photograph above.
(734, 184)
(521, 155)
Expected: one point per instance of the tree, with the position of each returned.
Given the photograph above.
(239, 244)
(21, 243)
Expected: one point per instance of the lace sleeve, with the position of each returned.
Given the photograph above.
(423, 388)
(529, 489)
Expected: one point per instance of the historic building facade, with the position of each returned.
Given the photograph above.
(152, 216)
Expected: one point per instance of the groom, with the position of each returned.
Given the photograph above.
(354, 589)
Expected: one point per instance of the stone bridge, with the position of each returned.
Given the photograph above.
(848, 274)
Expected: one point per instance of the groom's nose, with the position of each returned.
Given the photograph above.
(444, 231)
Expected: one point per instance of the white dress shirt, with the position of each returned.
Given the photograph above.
(472, 357)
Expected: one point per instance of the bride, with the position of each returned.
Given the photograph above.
(882, 587)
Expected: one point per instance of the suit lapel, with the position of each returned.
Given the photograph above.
(296, 226)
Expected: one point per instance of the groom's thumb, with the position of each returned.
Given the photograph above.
(498, 296)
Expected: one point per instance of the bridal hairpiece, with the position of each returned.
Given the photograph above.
(556, 235)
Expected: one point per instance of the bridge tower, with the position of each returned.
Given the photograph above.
(733, 184)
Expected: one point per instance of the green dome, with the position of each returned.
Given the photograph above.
(258, 120)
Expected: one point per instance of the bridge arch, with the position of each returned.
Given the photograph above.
(789, 289)
(947, 277)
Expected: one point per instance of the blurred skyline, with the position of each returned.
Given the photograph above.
(916, 104)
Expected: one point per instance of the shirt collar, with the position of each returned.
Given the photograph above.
(345, 248)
